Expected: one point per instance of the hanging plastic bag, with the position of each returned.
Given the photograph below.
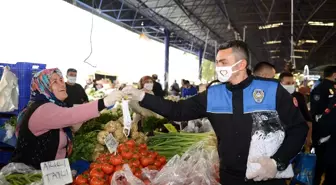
(9, 91)
(304, 165)
(267, 137)
(20, 174)
(125, 177)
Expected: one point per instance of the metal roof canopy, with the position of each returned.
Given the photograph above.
(190, 20)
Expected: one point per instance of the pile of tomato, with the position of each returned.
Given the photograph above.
(136, 156)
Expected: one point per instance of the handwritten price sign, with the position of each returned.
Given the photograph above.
(56, 172)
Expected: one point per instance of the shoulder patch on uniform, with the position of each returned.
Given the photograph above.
(316, 97)
(258, 95)
(296, 103)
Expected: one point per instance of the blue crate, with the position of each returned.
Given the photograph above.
(5, 157)
(24, 71)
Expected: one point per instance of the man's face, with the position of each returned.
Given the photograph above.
(288, 81)
(72, 74)
(227, 58)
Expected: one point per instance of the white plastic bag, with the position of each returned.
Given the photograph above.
(9, 91)
(267, 137)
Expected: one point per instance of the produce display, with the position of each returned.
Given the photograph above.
(20, 174)
(23, 179)
(136, 156)
(170, 144)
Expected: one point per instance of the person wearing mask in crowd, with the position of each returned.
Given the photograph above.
(288, 82)
(188, 90)
(231, 107)
(319, 100)
(76, 93)
(157, 88)
(175, 89)
(327, 129)
(146, 84)
(264, 70)
(43, 128)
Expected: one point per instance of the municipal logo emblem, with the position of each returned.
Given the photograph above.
(258, 95)
(331, 91)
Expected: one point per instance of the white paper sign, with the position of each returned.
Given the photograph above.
(56, 172)
(111, 143)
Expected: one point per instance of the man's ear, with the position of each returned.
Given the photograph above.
(243, 64)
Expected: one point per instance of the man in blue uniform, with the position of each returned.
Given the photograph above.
(238, 108)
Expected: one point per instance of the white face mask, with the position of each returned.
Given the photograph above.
(289, 88)
(148, 86)
(71, 79)
(224, 73)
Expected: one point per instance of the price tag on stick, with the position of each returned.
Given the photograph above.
(111, 143)
(56, 172)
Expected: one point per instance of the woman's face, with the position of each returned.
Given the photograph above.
(58, 87)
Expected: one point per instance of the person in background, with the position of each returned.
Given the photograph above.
(157, 88)
(188, 90)
(43, 128)
(231, 106)
(76, 93)
(319, 100)
(327, 128)
(264, 70)
(287, 81)
(175, 88)
(146, 84)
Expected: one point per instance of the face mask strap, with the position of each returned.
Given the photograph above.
(235, 65)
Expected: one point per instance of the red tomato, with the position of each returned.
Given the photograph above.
(95, 165)
(151, 160)
(157, 164)
(118, 167)
(130, 143)
(162, 160)
(110, 179)
(97, 172)
(155, 154)
(127, 155)
(143, 152)
(143, 146)
(135, 163)
(138, 174)
(152, 167)
(145, 162)
(122, 147)
(97, 181)
(116, 160)
(136, 156)
(107, 169)
(81, 179)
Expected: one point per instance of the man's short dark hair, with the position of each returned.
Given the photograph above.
(248, 71)
(71, 70)
(154, 76)
(262, 65)
(329, 71)
(239, 48)
(285, 74)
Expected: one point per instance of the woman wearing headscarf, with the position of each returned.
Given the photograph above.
(43, 129)
(145, 84)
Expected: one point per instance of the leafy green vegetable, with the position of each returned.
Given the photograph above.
(84, 145)
(152, 123)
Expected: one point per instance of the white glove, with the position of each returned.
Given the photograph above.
(133, 93)
(267, 169)
(113, 97)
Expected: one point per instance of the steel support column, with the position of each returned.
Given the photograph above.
(200, 58)
(166, 74)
